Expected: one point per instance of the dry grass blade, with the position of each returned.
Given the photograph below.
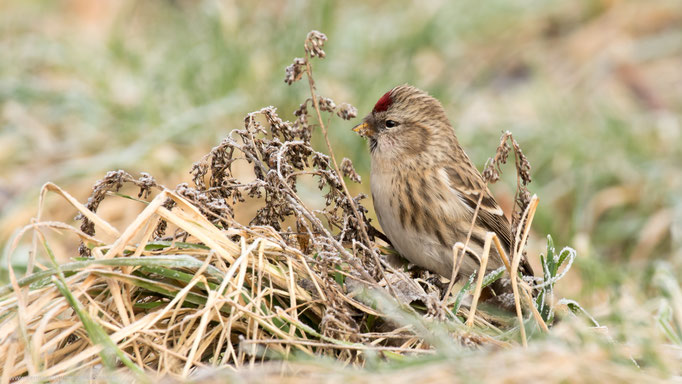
(479, 280)
(526, 219)
(82, 209)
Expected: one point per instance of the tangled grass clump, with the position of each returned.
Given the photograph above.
(186, 287)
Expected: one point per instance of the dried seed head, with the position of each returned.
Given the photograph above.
(160, 230)
(146, 182)
(347, 111)
(492, 171)
(326, 104)
(295, 71)
(522, 164)
(301, 123)
(314, 43)
(349, 171)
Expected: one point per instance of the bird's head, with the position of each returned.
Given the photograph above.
(404, 122)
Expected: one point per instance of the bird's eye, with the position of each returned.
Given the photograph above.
(391, 123)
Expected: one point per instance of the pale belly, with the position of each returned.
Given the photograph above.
(419, 248)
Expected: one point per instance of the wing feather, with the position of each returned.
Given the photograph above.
(490, 215)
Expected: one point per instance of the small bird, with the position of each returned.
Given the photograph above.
(425, 188)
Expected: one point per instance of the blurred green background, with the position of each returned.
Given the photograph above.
(591, 89)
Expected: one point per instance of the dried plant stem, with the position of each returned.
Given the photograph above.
(481, 275)
(526, 288)
(503, 254)
(527, 217)
(455, 267)
(361, 224)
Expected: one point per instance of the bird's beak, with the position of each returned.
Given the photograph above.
(362, 129)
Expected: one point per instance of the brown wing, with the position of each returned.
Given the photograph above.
(490, 215)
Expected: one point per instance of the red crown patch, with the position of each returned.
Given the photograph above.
(384, 102)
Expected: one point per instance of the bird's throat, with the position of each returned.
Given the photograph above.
(372, 145)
